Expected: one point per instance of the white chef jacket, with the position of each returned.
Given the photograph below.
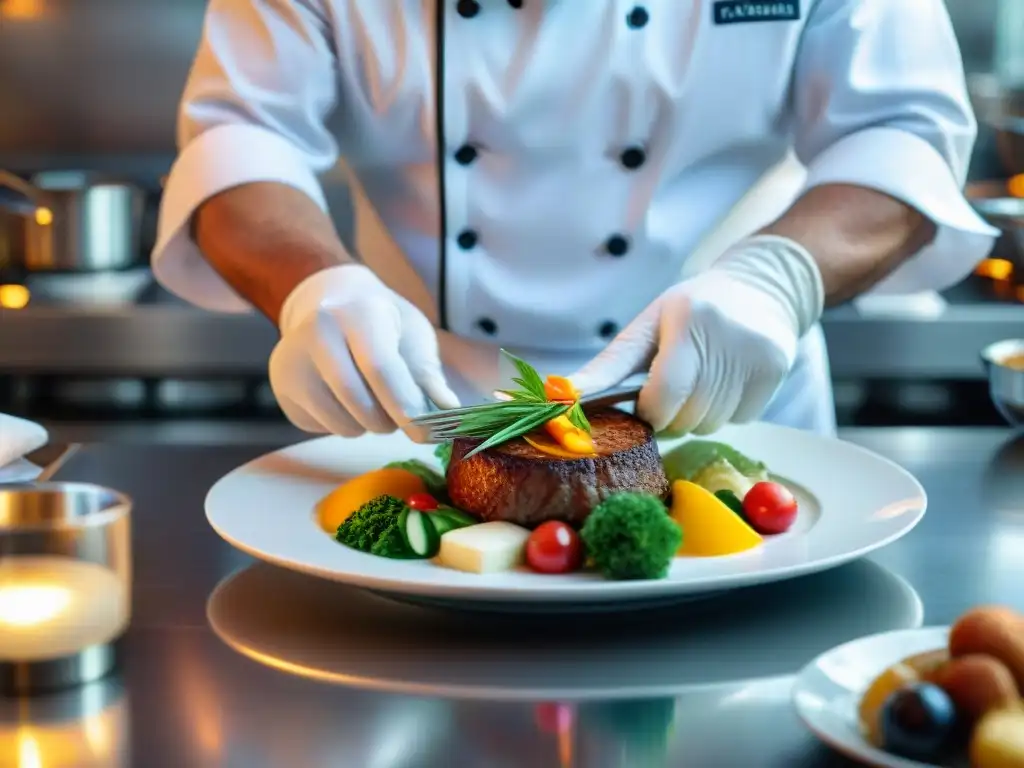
(532, 173)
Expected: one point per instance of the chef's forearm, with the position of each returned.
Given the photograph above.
(266, 238)
(856, 235)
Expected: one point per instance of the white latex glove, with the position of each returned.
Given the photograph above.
(355, 357)
(719, 344)
(17, 438)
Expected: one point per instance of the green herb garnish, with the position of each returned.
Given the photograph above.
(526, 409)
(578, 418)
(443, 453)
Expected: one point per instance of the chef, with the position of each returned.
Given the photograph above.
(537, 175)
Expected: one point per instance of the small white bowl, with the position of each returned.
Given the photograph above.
(1006, 383)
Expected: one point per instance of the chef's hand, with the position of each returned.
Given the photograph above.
(718, 345)
(355, 357)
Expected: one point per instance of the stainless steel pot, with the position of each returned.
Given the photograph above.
(1001, 107)
(69, 222)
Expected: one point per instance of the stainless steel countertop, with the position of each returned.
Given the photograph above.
(76, 328)
(328, 676)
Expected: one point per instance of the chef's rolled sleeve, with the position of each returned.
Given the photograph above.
(882, 103)
(253, 110)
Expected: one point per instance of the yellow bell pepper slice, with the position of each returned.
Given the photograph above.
(710, 528)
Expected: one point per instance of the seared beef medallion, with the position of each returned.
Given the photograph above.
(516, 482)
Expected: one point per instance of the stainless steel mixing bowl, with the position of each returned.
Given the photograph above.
(1006, 378)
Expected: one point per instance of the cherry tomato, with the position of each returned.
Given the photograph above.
(554, 547)
(770, 508)
(424, 502)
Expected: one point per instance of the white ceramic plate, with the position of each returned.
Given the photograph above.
(851, 500)
(827, 691)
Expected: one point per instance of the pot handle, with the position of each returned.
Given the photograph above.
(17, 184)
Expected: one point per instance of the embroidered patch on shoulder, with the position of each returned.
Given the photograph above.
(746, 11)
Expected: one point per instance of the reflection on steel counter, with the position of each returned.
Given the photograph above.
(287, 621)
(605, 691)
(85, 728)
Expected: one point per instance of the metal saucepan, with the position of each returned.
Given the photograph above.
(69, 222)
(1004, 365)
(1001, 107)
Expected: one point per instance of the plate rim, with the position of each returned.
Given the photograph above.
(582, 591)
(867, 754)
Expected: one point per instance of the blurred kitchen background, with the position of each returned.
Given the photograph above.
(91, 346)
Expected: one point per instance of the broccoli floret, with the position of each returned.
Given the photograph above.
(391, 544)
(631, 536)
(720, 475)
(435, 482)
(443, 452)
(374, 528)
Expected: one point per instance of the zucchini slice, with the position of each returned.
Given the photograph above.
(419, 533)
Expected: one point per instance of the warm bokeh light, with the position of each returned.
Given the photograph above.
(26, 10)
(565, 749)
(44, 217)
(14, 296)
(28, 751)
(31, 604)
(997, 269)
(97, 740)
(201, 704)
(97, 734)
(1015, 186)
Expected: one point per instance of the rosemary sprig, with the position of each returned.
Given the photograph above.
(578, 417)
(526, 409)
(537, 417)
(529, 380)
